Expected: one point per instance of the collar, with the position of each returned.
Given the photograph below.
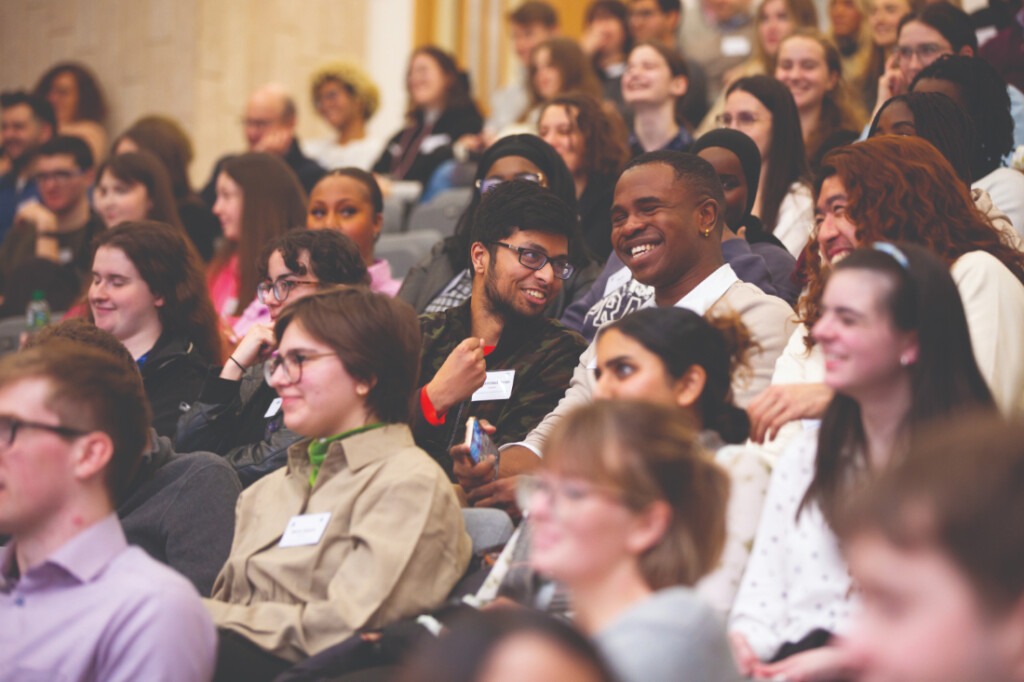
(707, 293)
(356, 451)
(84, 556)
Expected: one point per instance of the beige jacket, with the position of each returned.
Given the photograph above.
(394, 546)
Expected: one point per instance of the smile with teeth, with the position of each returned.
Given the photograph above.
(641, 249)
(535, 294)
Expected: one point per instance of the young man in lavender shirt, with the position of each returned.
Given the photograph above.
(76, 602)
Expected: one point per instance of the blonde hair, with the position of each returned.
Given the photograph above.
(645, 452)
(353, 79)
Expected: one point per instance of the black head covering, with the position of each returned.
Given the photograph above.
(540, 154)
(745, 150)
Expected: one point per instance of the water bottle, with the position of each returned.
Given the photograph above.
(37, 315)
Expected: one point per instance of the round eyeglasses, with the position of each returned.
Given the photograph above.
(292, 361)
(282, 288)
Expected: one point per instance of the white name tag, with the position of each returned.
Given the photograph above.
(275, 407)
(735, 46)
(498, 386)
(436, 141)
(617, 280)
(304, 529)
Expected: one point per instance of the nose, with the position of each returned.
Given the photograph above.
(826, 230)
(278, 377)
(602, 389)
(822, 330)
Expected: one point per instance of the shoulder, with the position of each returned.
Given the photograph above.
(555, 334)
(795, 467)
(143, 581)
(980, 268)
(749, 301)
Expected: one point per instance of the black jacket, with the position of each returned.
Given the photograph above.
(173, 374)
(404, 159)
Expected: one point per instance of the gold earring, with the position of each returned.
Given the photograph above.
(362, 390)
(706, 233)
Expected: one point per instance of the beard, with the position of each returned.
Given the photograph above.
(499, 304)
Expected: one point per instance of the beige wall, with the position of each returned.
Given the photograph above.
(196, 60)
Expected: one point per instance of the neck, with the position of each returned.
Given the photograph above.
(352, 131)
(599, 603)
(580, 181)
(610, 58)
(655, 124)
(673, 293)
(32, 547)
(485, 323)
(883, 415)
(354, 420)
(143, 341)
(761, 182)
(809, 122)
(75, 217)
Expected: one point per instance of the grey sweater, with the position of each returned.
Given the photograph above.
(672, 636)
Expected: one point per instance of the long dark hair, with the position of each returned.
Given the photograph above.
(787, 159)
(681, 339)
(172, 270)
(144, 168)
(457, 94)
(530, 147)
(91, 105)
(945, 380)
(273, 202)
(605, 138)
(168, 141)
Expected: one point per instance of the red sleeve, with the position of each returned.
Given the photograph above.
(429, 413)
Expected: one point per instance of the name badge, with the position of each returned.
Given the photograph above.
(433, 142)
(617, 280)
(275, 407)
(497, 386)
(304, 530)
(735, 46)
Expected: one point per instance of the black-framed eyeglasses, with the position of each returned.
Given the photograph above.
(292, 362)
(282, 288)
(535, 260)
(9, 427)
(58, 176)
(485, 185)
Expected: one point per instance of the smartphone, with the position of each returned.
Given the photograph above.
(479, 443)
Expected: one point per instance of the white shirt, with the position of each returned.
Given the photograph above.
(795, 220)
(796, 579)
(1006, 188)
(362, 153)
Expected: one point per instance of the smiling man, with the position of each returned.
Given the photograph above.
(498, 357)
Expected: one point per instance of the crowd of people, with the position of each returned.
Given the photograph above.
(715, 377)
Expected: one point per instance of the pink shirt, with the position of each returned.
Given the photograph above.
(98, 609)
(223, 285)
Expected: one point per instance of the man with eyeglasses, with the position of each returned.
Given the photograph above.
(238, 415)
(498, 357)
(269, 124)
(26, 122)
(76, 601)
(49, 249)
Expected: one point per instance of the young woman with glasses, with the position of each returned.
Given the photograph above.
(238, 414)
(361, 528)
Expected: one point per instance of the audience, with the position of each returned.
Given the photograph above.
(440, 111)
(763, 109)
(497, 356)
(148, 292)
(628, 514)
(50, 247)
(269, 124)
(167, 140)
(934, 545)
(303, 505)
(258, 199)
(897, 354)
(238, 414)
(78, 103)
(134, 186)
(809, 65)
(77, 601)
(675, 357)
(442, 279)
(346, 100)
(378, 535)
(178, 507)
(349, 200)
(26, 123)
(593, 145)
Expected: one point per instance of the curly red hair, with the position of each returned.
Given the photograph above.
(901, 189)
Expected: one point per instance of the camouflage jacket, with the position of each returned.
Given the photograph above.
(543, 354)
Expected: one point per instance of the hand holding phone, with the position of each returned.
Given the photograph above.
(480, 444)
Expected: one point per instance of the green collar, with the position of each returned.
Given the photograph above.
(318, 448)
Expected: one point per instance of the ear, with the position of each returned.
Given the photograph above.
(833, 81)
(90, 176)
(707, 215)
(679, 86)
(92, 455)
(649, 527)
(966, 51)
(378, 225)
(911, 349)
(479, 257)
(689, 387)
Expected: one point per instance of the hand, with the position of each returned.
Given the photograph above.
(42, 218)
(468, 473)
(463, 372)
(256, 345)
(891, 82)
(825, 664)
(780, 404)
(277, 140)
(746, 660)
